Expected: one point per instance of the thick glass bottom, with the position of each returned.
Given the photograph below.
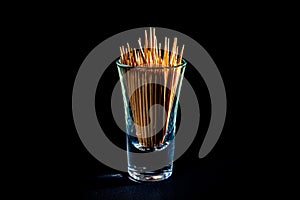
(157, 175)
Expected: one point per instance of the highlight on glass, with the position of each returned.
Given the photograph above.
(151, 79)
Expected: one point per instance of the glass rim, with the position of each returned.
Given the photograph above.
(121, 65)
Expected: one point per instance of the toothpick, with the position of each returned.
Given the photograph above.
(180, 58)
(140, 43)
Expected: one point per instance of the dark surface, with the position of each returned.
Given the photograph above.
(195, 178)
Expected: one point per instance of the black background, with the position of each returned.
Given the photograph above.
(223, 170)
(66, 170)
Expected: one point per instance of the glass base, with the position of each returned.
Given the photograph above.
(157, 175)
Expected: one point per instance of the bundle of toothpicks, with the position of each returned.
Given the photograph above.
(152, 78)
(151, 54)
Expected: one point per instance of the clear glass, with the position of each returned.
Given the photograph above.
(150, 96)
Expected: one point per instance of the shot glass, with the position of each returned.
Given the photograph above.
(150, 95)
